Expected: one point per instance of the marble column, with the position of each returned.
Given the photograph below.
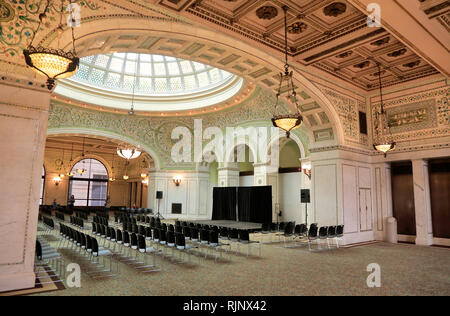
(267, 175)
(229, 174)
(382, 198)
(422, 203)
(23, 126)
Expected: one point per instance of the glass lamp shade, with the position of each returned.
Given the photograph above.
(384, 147)
(81, 171)
(126, 177)
(52, 63)
(287, 122)
(128, 153)
(112, 179)
(57, 180)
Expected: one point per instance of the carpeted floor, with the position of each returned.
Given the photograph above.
(405, 270)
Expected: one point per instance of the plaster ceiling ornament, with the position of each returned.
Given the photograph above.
(267, 12)
(381, 42)
(52, 63)
(297, 28)
(362, 65)
(412, 64)
(345, 55)
(287, 122)
(382, 144)
(7, 12)
(335, 9)
(398, 53)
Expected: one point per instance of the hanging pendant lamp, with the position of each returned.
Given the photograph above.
(53, 63)
(287, 122)
(386, 144)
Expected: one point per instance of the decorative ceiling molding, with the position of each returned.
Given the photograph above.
(320, 31)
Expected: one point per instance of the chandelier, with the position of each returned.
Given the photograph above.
(128, 153)
(70, 173)
(112, 179)
(287, 122)
(52, 63)
(82, 170)
(386, 144)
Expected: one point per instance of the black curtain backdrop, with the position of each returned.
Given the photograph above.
(255, 204)
(224, 204)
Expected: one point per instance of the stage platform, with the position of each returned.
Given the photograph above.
(232, 224)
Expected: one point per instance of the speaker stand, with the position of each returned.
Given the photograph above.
(306, 215)
(158, 215)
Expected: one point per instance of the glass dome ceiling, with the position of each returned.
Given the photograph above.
(153, 75)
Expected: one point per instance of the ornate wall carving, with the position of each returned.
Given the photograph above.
(155, 132)
(418, 116)
(348, 108)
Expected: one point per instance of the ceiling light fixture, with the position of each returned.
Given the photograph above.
(82, 170)
(70, 173)
(52, 63)
(131, 112)
(287, 122)
(128, 153)
(386, 144)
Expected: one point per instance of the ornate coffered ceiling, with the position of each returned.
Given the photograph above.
(326, 34)
(438, 10)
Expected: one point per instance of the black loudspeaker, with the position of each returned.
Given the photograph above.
(159, 195)
(305, 196)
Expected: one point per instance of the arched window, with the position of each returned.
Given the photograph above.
(90, 188)
(41, 199)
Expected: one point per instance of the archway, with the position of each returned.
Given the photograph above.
(106, 135)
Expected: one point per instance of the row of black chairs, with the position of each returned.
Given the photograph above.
(60, 216)
(328, 233)
(84, 242)
(136, 211)
(49, 224)
(47, 260)
(234, 235)
(82, 215)
(76, 221)
(314, 233)
(147, 219)
(103, 214)
(100, 220)
(175, 236)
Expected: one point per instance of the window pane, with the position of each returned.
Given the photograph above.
(80, 203)
(79, 189)
(116, 65)
(173, 69)
(102, 60)
(98, 191)
(145, 69)
(160, 69)
(186, 66)
(84, 188)
(97, 170)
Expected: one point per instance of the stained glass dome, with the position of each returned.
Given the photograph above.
(148, 74)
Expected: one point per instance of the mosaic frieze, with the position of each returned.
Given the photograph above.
(155, 132)
(419, 116)
(347, 109)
